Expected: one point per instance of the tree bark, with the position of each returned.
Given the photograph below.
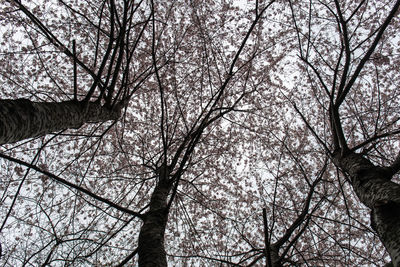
(274, 254)
(375, 189)
(22, 118)
(151, 237)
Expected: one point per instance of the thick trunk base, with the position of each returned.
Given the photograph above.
(151, 237)
(21, 119)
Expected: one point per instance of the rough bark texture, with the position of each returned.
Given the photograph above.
(274, 254)
(373, 187)
(151, 237)
(22, 118)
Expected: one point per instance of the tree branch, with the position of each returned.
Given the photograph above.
(69, 184)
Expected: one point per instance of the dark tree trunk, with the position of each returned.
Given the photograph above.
(274, 254)
(22, 118)
(151, 237)
(374, 188)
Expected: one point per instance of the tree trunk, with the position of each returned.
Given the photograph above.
(151, 237)
(274, 257)
(22, 118)
(373, 187)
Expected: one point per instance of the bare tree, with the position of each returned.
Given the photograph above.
(226, 118)
(102, 80)
(356, 101)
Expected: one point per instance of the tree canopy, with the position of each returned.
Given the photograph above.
(199, 133)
